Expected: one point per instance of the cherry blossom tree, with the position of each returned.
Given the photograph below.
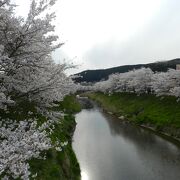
(27, 68)
(166, 83)
(142, 80)
(28, 75)
(137, 81)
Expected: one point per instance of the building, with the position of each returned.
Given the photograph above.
(177, 66)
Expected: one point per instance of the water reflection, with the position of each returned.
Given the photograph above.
(110, 149)
(84, 175)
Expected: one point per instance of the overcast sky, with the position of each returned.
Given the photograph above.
(107, 33)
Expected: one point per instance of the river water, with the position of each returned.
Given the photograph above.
(109, 149)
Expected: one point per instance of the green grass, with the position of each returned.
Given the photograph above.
(70, 105)
(60, 165)
(161, 113)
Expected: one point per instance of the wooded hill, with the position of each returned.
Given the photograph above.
(102, 74)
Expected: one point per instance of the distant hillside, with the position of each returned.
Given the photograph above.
(99, 74)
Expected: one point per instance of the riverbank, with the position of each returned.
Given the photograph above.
(156, 113)
(60, 165)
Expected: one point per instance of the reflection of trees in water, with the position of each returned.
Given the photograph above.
(147, 144)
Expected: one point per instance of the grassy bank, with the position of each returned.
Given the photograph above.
(60, 165)
(161, 114)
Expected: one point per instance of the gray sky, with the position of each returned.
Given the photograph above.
(107, 33)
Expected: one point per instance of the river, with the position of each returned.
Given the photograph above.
(110, 149)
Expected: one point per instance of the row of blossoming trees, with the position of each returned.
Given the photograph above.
(140, 81)
(30, 84)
